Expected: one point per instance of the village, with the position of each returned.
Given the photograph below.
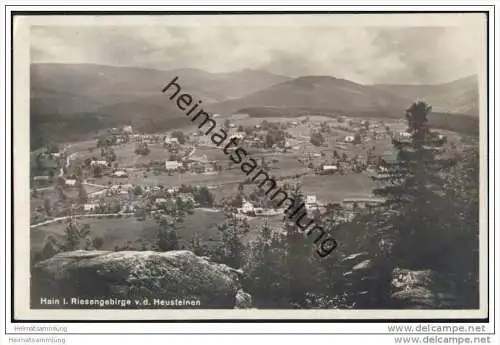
(127, 174)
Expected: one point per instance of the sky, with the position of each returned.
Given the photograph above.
(364, 54)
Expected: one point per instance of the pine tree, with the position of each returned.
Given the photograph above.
(74, 234)
(413, 190)
(82, 193)
(300, 266)
(265, 277)
(170, 222)
(232, 251)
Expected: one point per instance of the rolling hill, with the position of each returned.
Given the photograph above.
(68, 101)
(459, 96)
(319, 93)
(453, 103)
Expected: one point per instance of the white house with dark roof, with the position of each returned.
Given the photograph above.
(172, 165)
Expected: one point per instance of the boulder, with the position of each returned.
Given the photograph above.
(243, 300)
(423, 289)
(134, 275)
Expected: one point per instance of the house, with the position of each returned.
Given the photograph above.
(120, 173)
(349, 139)
(246, 208)
(134, 137)
(127, 129)
(172, 165)
(353, 203)
(199, 164)
(160, 201)
(311, 202)
(329, 169)
(405, 135)
(55, 156)
(90, 207)
(238, 135)
(70, 182)
(186, 197)
(171, 140)
(41, 178)
(99, 163)
(172, 190)
(130, 207)
(311, 199)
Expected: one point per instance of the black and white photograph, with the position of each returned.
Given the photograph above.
(257, 166)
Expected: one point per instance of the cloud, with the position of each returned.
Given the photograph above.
(362, 54)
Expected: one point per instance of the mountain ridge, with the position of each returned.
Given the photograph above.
(63, 96)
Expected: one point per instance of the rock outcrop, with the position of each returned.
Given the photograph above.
(144, 275)
(423, 289)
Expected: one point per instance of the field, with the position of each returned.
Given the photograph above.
(51, 194)
(335, 188)
(118, 231)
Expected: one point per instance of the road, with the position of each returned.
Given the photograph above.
(93, 215)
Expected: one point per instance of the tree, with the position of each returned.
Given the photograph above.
(103, 142)
(317, 139)
(413, 188)
(237, 201)
(232, 251)
(114, 206)
(180, 137)
(62, 197)
(336, 154)
(170, 222)
(82, 193)
(74, 234)
(197, 247)
(274, 136)
(96, 170)
(203, 196)
(108, 154)
(50, 248)
(357, 138)
(241, 128)
(142, 149)
(138, 190)
(52, 148)
(461, 220)
(140, 214)
(265, 277)
(97, 242)
(47, 206)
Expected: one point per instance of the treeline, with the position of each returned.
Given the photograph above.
(53, 128)
(461, 123)
(56, 128)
